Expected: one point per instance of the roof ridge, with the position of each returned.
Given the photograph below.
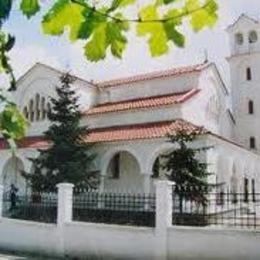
(154, 74)
(144, 98)
(152, 123)
(142, 102)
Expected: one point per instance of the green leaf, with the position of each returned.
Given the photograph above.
(29, 7)
(169, 1)
(116, 38)
(13, 125)
(107, 34)
(92, 20)
(95, 49)
(170, 28)
(205, 16)
(155, 31)
(121, 3)
(64, 14)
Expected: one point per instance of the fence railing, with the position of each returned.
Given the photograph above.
(170, 205)
(40, 207)
(114, 208)
(223, 208)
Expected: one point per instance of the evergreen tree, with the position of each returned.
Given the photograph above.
(185, 169)
(68, 157)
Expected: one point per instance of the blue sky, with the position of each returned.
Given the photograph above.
(58, 52)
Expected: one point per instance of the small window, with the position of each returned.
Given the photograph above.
(252, 38)
(253, 190)
(252, 143)
(251, 107)
(246, 191)
(115, 166)
(248, 74)
(239, 38)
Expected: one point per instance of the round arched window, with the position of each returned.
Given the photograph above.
(239, 38)
(252, 38)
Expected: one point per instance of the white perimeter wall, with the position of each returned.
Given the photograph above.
(101, 241)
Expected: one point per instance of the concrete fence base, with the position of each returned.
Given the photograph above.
(100, 241)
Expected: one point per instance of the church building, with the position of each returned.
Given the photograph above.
(129, 118)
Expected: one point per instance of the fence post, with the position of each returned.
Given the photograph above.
(163, 218)
(65, 201)
(1, 200)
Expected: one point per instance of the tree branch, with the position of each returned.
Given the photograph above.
(139, 20)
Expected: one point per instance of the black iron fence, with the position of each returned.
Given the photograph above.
(114, 208)
(40, 207)
(219, 208)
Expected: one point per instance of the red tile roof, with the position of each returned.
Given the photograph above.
(141, 131)
(120, 133)
(145, 102)
(154, 75)
(28, 142)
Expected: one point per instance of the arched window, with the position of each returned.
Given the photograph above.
(251, 107)
(252, 143)
(239, 38)
(253, 37)
(115, 166)
(156, 168)
(48, 107)
(25, 112)
(43, 108)
(248, 74)
(37, 107)
(31, 110)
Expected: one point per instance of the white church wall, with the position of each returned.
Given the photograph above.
(41, 81)
(209, 108)
(149, 88)
(134, 116)
(229, 156)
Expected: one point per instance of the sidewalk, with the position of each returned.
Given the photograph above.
(7, 256)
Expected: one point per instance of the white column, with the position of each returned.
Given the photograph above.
(102, 183)
(65, 201)
(146, 183)
(1, 199)
(163, 218)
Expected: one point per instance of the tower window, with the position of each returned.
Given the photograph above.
(248, 74)
(251, 107)
(252, 143)
(252, 38)
(239, 38)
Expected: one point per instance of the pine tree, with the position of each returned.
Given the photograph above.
(68, 157)
(185, 169)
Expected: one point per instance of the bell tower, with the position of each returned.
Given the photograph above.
(244, 62)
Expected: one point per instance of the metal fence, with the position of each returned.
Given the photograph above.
(114, 208)
(40, 207)
(221, 208)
